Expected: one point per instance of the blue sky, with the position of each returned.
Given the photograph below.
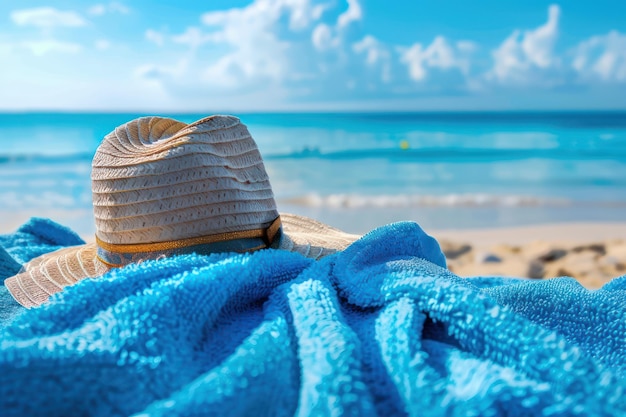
(292, 55)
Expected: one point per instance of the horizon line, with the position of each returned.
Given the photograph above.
(321, 112)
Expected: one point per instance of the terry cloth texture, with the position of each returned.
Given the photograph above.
(34, 238)
(381, 328)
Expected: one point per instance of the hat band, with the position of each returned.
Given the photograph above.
(118, 255)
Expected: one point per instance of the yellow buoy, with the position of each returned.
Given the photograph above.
(404, 145)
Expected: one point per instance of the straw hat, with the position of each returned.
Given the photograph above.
(162, 187)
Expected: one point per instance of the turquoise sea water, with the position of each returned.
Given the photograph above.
(445, 170)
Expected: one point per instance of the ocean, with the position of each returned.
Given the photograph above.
(361, 170)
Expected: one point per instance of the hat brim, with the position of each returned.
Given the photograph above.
(48, 274)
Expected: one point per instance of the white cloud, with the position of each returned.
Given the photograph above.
(47, 18)
(325, 37)
(258, 52)
(193, 37)
(264, 48)
(303, 16)
(112, 7)
(602, 57)
(260, 13)
(522, 56)
(298, 48)
(322, 37)
(538, 45)
(154, 37)
(315, 49)
(51, 46)
(438, 55)
(353, 14)
(374, 49)
(376, 53)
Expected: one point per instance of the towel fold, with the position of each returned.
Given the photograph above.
(36, 237)
(381, 328)
(8, 265)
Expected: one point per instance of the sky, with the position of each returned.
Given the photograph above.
(307, 55)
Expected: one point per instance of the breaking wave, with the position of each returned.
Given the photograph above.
(410, 201)
(41, 158)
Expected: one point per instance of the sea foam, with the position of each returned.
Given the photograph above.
(412, 200)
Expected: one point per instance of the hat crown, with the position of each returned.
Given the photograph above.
(156, 179)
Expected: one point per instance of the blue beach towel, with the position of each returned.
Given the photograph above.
(381, 328)
(34, 238)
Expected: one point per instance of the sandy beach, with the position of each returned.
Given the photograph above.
(592, 253)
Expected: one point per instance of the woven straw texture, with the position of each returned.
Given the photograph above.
(157, 180)
(50, 273)
(311, 238)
